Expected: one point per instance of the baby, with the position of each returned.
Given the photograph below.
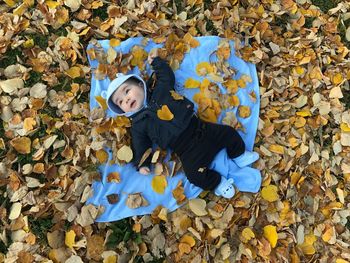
(195, 142)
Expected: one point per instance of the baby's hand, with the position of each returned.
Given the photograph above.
(144, 170)
(151, 55)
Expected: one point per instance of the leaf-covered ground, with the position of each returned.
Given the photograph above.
(49, 160)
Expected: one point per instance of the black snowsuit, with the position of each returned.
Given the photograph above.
(195, 142)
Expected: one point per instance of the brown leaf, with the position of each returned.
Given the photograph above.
(112, 198)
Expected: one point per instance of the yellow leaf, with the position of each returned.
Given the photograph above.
(337, 78)
(138, 56)
(114, 42)
(184, 248)
(298, 70)
(19, 11)
(247, 234)
(344, 127)
(165, 114)
(307, 247)
(269, 193)
(102, 156)
(29, 3)
(340, 260)
(10, 3)
(305, 113)
(102, 102)
(243, 111)
(241, 83)
(270, 234)
(205, 84)
(328, 234)
(29, 43)
(293, 142)
(191, 83)
(189, 39)
(188, 240)
(52, 4)
(176, 96)
(110, 259)
(84, 32)
(276, 148)
(231, 86)
(159, 184)
(295, 178)
(21, 144)
(204, 68)
(70, 239)
(28, 124)
(300, 122)
(125, 153)
(233, 101)
(73, 72)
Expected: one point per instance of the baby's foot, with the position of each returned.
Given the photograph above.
(225, 188)
(246, 158)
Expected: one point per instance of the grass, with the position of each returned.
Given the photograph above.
(61, 31)
(342, 26)
(3, 248)
(346, 99)
(308, 21)
(34, 77)
(325, 5)
(40, 40)
(40, 227)
(122, 231)
(210, 27)
(179, 5)
(9, 58)
(101, 12)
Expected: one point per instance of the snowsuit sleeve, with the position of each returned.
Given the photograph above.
(140, 143)
(164, 73)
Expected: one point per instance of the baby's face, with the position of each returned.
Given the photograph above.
(129, 97)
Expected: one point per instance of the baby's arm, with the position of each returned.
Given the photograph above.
(140, 143)
(164, 73)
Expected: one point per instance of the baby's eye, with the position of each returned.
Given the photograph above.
(127, 91)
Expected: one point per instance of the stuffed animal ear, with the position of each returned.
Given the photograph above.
(230, 180)
(104, 94)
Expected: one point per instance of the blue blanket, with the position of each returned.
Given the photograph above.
(246, 179)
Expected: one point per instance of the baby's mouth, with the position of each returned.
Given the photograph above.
(132, 104)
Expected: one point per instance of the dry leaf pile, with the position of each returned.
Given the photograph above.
(51, 144)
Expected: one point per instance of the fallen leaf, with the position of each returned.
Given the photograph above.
(191, 83)
(113, 177)
(112, 198)
(125, 153)
(165, 114)
(21, 144)
(159, 183)
(269, 193)
(270, 234)
(102, 156)
(247, 234)
(70, 239)
(198, 206)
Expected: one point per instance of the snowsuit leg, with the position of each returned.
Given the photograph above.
(205, 142)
